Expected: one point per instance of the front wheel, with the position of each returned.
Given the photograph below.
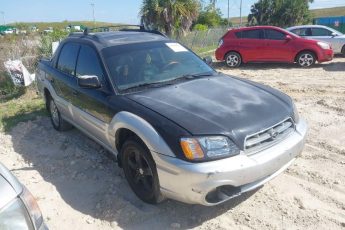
(306, 59)
(140, 171)
(343, 51)
(233, 59)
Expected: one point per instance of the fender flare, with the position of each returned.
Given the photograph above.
(142, 129)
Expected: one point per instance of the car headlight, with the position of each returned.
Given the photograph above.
(324, 45)
(15, 216)
(32, 207)
(210, 147)
(295, 113)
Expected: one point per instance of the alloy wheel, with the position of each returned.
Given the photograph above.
(305, 60)
(140, 171)
(232, 60)
(54, 113)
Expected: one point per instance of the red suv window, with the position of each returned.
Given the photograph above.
(274, 35)
(250, 34)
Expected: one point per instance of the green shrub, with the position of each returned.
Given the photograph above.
(200, 27)
(7, 89)
(45, 48)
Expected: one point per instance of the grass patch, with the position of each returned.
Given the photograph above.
(24, 108)
(205, 51)
(328, 12)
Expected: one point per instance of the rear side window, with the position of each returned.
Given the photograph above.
(252, 34)
(238, 34)
(89, 63)
(274, 35)
(68, 58)
(320, 32)
(302, 32)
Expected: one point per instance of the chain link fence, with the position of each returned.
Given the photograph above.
(203, 42)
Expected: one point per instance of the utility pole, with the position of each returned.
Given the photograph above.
(228, 13)
(241, 13)
(3, 16)
(93, 13)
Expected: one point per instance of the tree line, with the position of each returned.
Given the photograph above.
(177, 17)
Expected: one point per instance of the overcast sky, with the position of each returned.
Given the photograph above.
(107, 10)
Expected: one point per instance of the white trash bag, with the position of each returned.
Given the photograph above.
(19, 74)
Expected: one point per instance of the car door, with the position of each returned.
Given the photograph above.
(304, 32)
(278, 48)
(324, 34)
(321, 34)
(251, 44)
(64, 80)
(92, 111)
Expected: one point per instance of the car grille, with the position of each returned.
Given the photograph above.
(269, 136)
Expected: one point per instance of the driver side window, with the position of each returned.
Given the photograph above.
(274, 35)
(89, 64)
(320, 32)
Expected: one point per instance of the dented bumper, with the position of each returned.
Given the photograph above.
(211, 183)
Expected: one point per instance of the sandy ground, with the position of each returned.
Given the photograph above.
(79, 186)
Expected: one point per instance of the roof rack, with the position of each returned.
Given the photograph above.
(140, 28)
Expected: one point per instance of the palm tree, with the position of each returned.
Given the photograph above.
(213, 3)
(172, 16)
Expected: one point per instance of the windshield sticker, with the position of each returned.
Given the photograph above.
(176, 47)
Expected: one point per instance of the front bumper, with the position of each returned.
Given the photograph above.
(214, 182)
(325, 55)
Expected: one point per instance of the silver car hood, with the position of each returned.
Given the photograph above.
(340, 37)
(10, 187)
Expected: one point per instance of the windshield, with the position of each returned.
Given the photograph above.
(152, 62)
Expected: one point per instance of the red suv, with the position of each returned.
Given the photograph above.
(270, 44)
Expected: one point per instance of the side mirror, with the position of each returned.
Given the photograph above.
(334, 34)
(89, 82)
(208, 60)
(288, 37)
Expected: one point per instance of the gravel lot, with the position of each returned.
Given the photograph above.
(79, 186)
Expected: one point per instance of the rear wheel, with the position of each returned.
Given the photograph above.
(140, 171)
(233, 59)
(305, 59)
(57, 121)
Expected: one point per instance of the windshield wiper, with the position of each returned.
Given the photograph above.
(168, 82)
(152, 84)
(192, 76)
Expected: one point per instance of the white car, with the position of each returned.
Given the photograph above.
(48, 30)
(322, 33)
(8, 31)
(18, 208)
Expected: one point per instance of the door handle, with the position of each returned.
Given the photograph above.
(75, 92)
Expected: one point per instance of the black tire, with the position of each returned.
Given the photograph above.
(140, 171)
(343, 51)
(306, 59)
(233, 59)
(55, 117)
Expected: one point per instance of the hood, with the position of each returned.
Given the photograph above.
(340, 36)
(218, 105)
